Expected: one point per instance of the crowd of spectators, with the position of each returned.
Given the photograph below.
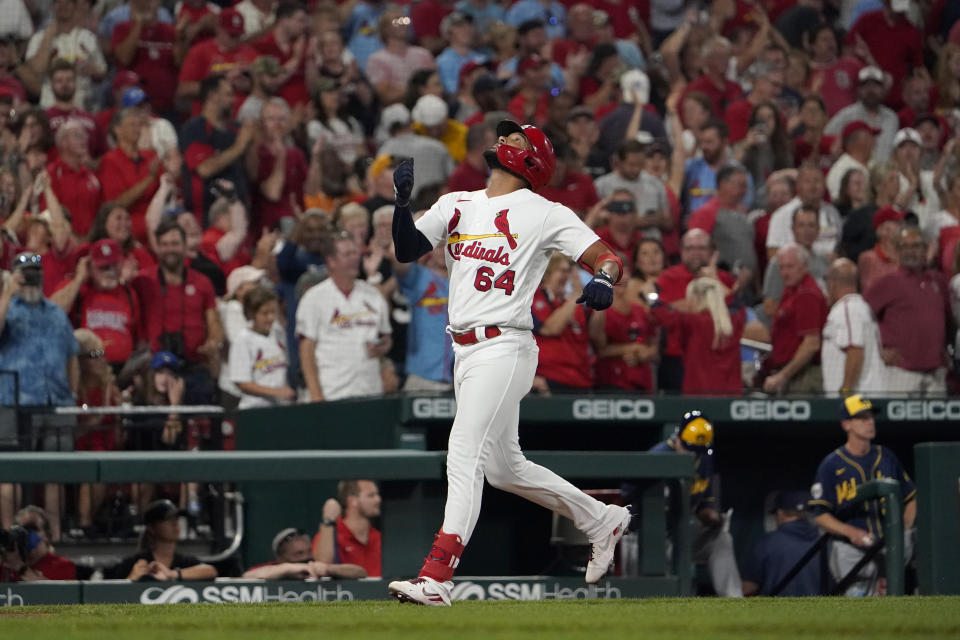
(205, 189)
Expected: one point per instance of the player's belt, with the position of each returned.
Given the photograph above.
(471, 337)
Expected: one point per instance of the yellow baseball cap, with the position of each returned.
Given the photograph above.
(380, 164)
(854, 406)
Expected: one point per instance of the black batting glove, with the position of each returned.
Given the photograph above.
(598, 293)
(403, 182)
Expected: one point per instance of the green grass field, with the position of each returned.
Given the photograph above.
(676, 619)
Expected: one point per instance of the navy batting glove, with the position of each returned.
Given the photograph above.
(403, 182)
(598, 294)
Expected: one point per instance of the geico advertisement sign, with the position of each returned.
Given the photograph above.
(613, 409)
(923, 410)
(241, 593)
(770, 410)
(468, 590)
(427, 408)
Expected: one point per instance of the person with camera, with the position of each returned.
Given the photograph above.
(27, 557)
(181, 314)
(31, 555)
(36, 341)
(767, 83)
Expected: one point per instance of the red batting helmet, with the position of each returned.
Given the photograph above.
(536, 164)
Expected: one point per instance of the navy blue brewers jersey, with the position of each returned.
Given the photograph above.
(838, 477)
(702, 491)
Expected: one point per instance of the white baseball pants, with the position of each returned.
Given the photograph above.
(490, 379)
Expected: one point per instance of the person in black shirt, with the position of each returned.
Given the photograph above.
(157, 558)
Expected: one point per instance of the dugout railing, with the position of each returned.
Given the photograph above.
(887, 491)
(411, 480)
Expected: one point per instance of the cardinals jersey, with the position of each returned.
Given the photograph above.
(497, 250)
(262, 360)
(342, 327)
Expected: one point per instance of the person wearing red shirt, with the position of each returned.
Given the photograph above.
(98, 301)
(628, 17)
(912, 307)
(346, 533)
(287, 42)
(472, 173)
(710, 334)
(795, 330)
(63, 83)
(180, 311)
(224, 53)
(425, 19)
(149, 48)
(875, 263)
(532, 100)
(196, 21)
(39, 563)
(625, 341)
(895, 44)
(580, 34)
(767, 84)
(279, 171)
(561, 330)
(713, 83)
(223, 242)
(832, 77)
(129, 176)
(812, 146)
(76, 186)
(697, 253)
(569, 187)
(9, 59)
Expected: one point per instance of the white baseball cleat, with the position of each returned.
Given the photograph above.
(426, 591)
(601, 553)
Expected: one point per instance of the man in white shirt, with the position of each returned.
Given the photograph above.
(810, 192)
(67, 40)
(917, 190)
(851, 338)
(869, 108)
(858, 141)
(344, 329)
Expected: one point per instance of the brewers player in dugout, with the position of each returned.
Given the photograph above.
(498, 242)
(857, 527)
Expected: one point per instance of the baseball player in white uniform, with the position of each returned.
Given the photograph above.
(498, 242)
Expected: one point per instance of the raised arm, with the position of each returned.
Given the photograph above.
(410, 244)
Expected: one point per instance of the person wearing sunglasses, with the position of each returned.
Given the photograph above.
(37, 343)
